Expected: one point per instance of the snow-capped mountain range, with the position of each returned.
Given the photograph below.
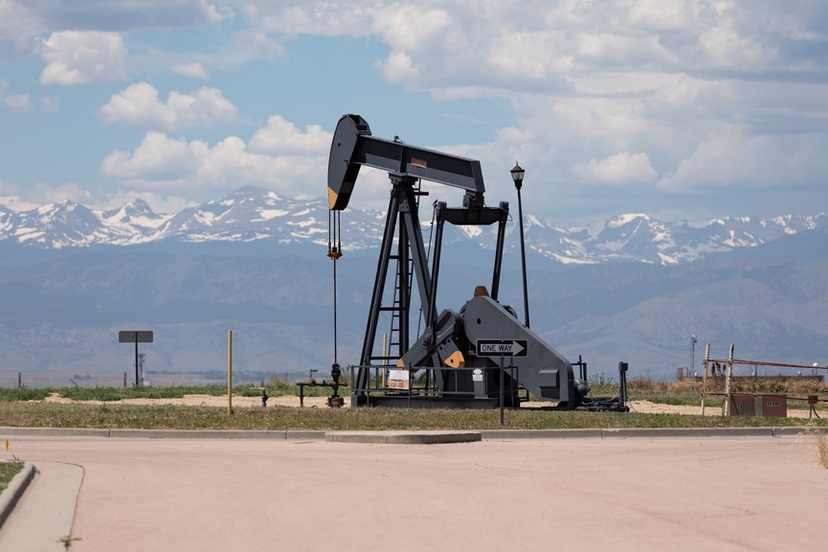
(252, 214)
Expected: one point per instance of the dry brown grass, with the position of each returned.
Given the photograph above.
(822, 448)
(820, 438)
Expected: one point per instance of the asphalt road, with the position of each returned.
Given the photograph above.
(688, 493)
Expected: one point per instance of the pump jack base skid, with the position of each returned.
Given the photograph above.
(404, 401)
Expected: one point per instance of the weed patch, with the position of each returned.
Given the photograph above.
(7, 472)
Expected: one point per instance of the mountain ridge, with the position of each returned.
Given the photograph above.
(630, 288)
(252, 214)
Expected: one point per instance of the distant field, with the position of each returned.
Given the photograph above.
(26, 408)
(72, 378)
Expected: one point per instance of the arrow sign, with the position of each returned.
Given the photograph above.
(501, 347)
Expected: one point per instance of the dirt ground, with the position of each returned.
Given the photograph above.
(713, 408)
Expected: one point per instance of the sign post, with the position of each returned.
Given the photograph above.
(135, 336)
(500, 348)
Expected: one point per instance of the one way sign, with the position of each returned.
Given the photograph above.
(501, 347)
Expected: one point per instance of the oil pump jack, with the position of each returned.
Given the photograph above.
(478, 357)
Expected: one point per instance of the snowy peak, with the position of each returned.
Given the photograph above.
(253, 214)
(250, 214)
(52, 226)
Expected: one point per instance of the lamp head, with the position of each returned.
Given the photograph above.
(517, 175)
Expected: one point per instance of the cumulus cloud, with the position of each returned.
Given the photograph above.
(279, 156)
(621, 168)
(24, 102)
(281, 136)
(19, 101)
(80, 57)
(192, 70)
(731, 157)
(20, 27)
(19, 198)
(139, 107)
(158, 158)
(699, 94)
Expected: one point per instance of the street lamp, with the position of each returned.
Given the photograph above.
(517, 177)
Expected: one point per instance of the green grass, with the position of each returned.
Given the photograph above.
(274, 388)
(25, 408)
(123, 416)
(24, 394)
(7, 472)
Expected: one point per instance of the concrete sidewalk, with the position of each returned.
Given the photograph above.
(514, 493)
(42, 517)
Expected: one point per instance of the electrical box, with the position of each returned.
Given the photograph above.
(741, 405)
(772, 406)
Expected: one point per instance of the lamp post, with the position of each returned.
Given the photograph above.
(517, 177)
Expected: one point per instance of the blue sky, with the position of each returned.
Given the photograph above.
(682, 109)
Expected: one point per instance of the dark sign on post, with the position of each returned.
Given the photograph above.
(135, 336)
(141, 336)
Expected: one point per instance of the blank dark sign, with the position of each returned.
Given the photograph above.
(142, 336)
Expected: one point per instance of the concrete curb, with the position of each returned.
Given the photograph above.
(16, 488)
(402, 437)
(288, 434)
(490, 434)
(486, 434)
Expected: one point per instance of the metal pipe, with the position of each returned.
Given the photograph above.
(704, 375)
(728, 374)
(230, 371)
(523, 260)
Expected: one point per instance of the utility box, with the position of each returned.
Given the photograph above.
(741, 405)
(772, 406)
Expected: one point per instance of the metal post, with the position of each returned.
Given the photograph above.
(692, 355)
(136, 359)
(704, 376)
(501, 391)
(523, 260)
(728, 375)
(230, 371)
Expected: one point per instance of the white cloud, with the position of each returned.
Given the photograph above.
(80, 57)
(158, 158)
(398, 68)
(621, 168)
(281, 136)
(50, 104)
(19, 198)
(731, 158)
(19, 101)
(20, 27)
(192, 70)
(139, 107)
(31, 197)
(618, 91)
(24, 102)
(278, 157)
